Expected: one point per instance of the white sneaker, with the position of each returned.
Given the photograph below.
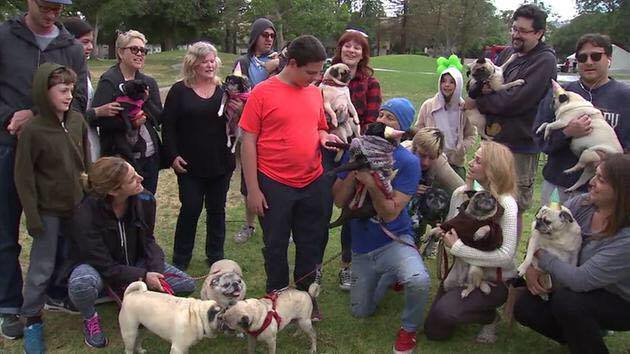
(345, 278)
(244, 234)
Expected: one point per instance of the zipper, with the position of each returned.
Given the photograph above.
(123, 240)
(63, 125)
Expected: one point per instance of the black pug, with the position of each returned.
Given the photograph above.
(236, 86)
(428, 208)
(123, 132)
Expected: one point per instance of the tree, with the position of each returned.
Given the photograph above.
(10, 8)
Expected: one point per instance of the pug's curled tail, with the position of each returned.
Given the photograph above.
(136, 286)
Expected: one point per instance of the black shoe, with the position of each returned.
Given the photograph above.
(64, 305)
(11, 327)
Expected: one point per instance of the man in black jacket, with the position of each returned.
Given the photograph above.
(26, 42)
(510, 113)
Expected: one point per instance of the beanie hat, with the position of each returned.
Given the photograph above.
(402, 109)
(258, 27)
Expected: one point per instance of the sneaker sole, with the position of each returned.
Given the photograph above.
(10, 337)
(60, 309)
(93, 346)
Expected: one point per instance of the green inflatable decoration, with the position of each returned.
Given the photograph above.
(452, 61)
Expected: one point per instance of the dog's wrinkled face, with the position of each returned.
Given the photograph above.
(213, 318)
(229, 284)
(562, 98)
(550, 220)
(481, 69)
(135, 89)
(340, 72)
(236, 84)
(239, 316)
(482, 205)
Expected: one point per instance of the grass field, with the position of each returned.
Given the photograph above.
(339, 332)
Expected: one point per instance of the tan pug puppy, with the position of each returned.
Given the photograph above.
(224, 283)
(338, 106)
(556, 231)
(568, 106)
(181, 321)
(248, 316)
(481, 71)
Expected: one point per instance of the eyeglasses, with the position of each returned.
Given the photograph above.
(515, 29)
(46, 8)
(137, 50)
(583, 57)
(267, 35)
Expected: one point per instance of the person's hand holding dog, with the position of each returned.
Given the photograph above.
(236, 106)
(139, 119)
(364, 176)
(178, 165)
(153, 281)
(450, 237)
(108, 110)
(326, 137)
(18, 120)
(534, 284)
(578, 127)
(256, 202)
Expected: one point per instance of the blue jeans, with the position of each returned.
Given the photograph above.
(10, 210)
(375, 271)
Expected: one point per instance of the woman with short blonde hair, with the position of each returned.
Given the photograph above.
(196, 148)
(491, 169)
(124, 38)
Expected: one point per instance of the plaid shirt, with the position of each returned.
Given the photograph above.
(365, 93)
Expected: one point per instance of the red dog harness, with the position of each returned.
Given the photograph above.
(271, 315)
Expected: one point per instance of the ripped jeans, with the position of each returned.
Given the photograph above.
(374, 272)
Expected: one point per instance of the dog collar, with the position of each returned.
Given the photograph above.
(271, 315)
(333, 82)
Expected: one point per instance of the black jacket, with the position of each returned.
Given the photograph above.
(112, 246)
(20, 57)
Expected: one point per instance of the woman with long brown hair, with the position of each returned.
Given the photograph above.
(593, 295)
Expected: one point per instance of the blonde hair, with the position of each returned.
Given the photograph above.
(195, 54)
(106, 175)
(429, 141)
(498, 165)
(125, 38)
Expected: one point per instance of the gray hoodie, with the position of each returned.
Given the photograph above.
(258, 27)
(20, 57)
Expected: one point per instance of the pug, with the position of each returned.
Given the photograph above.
(477, 226)
(556, 231)
(224, 283)
(181, 321)
(262, 319)
(484, 71)
(338, 105)
(569, 105)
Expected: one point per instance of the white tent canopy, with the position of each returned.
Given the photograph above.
(620, 59)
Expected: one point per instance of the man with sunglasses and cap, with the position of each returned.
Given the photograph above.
(26, 42)
(594, 56)
(510, 113)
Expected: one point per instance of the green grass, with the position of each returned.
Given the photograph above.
(339, 332)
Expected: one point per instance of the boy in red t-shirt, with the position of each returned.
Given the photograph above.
(283, 128)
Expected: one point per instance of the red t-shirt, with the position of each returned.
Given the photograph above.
(286, 119)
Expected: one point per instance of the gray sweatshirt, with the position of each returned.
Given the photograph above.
(603, 263)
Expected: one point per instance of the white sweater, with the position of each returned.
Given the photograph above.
(502, 257)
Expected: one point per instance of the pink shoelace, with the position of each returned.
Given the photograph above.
(93, 325)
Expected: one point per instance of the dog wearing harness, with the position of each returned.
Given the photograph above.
(262, 319)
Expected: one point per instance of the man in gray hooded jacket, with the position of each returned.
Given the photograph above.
(26, 42)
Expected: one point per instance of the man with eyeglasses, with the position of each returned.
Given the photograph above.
(594, 55)
(257, 64)
(26, 42)
(510, 113)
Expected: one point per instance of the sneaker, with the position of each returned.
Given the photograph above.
(94, 336)
(64, 305)
(34, 339)
(345, 278)
(405, 342)
(11, 327)
(244, 234)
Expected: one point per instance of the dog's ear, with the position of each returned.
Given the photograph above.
(334, 72)
(244, 322)
(212, 312)
(566, 217)
(481, 61)
(563, 98)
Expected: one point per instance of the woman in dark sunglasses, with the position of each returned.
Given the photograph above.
(130, 52)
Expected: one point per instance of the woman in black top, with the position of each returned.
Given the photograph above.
(130, 51)
(196, 145)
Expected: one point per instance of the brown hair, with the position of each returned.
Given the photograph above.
(616, 171)
(360, 38)
(498, 165)
(106, 175)
(62, 75)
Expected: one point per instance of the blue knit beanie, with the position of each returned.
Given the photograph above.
(402, 109)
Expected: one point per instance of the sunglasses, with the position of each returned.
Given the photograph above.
(46, 8)
(267, 35)
(137, 50)
(583, 57)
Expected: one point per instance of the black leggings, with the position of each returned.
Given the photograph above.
(574, 318)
